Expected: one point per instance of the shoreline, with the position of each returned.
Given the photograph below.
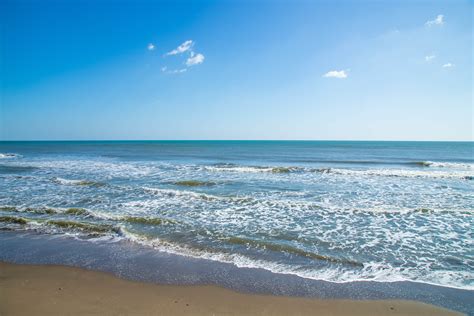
(59, 290)
(137, 263)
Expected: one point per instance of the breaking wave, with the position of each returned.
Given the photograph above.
(460, 171)
(237, 168)
(435, 164)
(78, 182)
(336, 269)
(9, 156)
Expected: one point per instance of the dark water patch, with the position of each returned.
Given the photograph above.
(16, 169)
(90, 183)
(284, 169)
(294, 237)
(289, 249)
(78, 182)
(224, 164)
(47, 210)
(91, 228)
(82, 226)
(41, 210)
(13, 220)
(453, 261)
(424, 210)
(76, 211)
(321, 170)
(8, 209)
(148, 220)
(421, 163)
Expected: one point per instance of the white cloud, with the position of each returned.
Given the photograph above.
(181, 48)
(448, 65)
(190, 57)
(151, 46)
(173, 71)
(438, 21)
(340, 74)
(194, 59)
(430, 58)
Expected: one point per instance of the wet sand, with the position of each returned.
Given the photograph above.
(60, 290)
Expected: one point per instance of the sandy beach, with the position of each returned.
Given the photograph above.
(60, 290)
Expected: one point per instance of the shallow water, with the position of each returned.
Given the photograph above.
(334, 211)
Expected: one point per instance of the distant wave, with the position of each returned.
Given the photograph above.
(8, 155)
(388, 172)
(179, 193)
(239, 168)
(77, 182)
(397, 173)
(389, 162)
(435, 164)
(194, 183)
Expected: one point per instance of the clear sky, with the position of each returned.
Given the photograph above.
(362, 70)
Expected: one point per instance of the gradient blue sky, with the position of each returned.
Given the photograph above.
(362, 70)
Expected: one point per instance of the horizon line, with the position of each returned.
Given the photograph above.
(229, 140)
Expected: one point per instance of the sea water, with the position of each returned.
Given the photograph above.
(325, 210)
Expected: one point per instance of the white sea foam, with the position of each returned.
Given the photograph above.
(454, 165)
(252, 169)
(67, 181)
(8, 155)
(106, 170)
(456, 170)
(180, 193)
(389, 172)
(371, 271)
(400, 222)
(238, 169)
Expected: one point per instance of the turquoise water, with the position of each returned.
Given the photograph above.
(335, 211)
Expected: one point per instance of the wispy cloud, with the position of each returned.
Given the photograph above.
(151, 46)
(439, 20)
(340, 74)
(448, 65)
(194, 59)
(173, 71)
(430, 58)
(186, 46)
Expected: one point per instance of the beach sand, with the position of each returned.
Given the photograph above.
(60, 290)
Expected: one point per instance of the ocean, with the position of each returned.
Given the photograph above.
(336, 211)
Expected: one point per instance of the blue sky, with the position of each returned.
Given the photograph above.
(362, 70)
